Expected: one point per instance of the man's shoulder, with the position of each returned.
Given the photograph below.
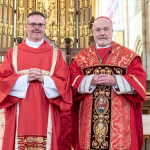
(125, 49)
(85, 51)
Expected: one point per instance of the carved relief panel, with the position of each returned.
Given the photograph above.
(60, 22)
(85, 14)
(6, 23)
(49, 8)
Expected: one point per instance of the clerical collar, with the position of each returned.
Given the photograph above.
(98, 47)
(34, 44)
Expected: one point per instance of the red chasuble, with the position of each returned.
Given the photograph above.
(32, 122)
(104, 119)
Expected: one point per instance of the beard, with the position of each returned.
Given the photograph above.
(103, 42)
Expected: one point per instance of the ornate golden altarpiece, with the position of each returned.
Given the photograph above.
(61, 19)
(6, 23)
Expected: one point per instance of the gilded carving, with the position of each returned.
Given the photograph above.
(90, 2)
(80, 4)
(71, 30)
(5, 29)
(20, 22)
(21, 30)
(10, 30)
(71, 4)
(72, 43)
(49, 8)
(62, 7)
(62, 35)
(62, 31)
(80, 31)
(86, 30)
(71, 15)
(62, 4)
(11, 3)
(21, 15)
(1, 2)
(55, 39)
(54, 31)
(21, 3)
(6, 2)
(71, 23)
(86, 3)
(30, 6)
(1, 28)
(47, 32)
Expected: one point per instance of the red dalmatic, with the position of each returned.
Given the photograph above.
(32, 122)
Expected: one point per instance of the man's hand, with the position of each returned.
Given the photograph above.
(104, 79)
(35, 74)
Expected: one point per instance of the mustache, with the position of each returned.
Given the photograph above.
(102, 37)
(36, 31)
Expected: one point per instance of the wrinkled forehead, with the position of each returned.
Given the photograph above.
(102, 22)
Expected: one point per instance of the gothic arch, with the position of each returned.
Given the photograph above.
(138, 46)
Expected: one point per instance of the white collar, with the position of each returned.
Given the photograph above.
(98, 47)
(34, 44)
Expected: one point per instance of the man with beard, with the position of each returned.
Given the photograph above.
(114, 72)
(34, 84)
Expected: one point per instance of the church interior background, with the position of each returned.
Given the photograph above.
(69, 26)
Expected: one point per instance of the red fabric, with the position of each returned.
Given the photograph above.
(135, 68)
(102, 17)
(33, 109)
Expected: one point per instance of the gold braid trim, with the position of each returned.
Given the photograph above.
(138, 82)
(75, 80)
(15, 51)
(44, 72)
(53, 61)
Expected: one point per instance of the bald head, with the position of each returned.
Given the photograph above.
(102, 30)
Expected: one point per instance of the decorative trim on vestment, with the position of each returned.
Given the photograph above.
(16, 136)
(101, 120)
(49, 131)
(54, 60)
(118, 60)
(138, 82)
(22, 72)
(75, 80)
(32, 142)
(15, 52)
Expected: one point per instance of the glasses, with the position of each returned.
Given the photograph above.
(33, 25)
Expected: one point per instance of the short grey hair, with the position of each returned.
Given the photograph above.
(35, 13)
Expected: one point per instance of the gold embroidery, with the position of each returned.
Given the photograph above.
(15, 51)
(103, 71)
(32, 142)
(88, 71)
(118, 70)
(75, 80)
(54, 61)
(44, 72)
(138, 82)
(101, 117)
(22, 72)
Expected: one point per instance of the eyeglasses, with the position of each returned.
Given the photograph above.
(33, 25)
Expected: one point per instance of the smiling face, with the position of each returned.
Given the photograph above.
(102, 30)
(35, 34)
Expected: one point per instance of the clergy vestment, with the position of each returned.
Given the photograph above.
(33, 122)
(117, 124)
